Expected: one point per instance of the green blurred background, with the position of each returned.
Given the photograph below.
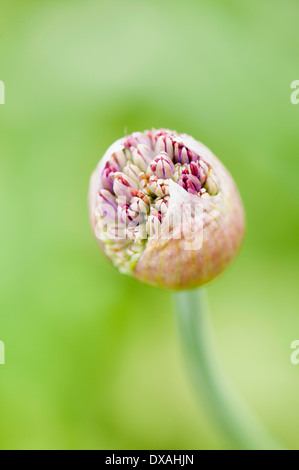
(93, 358)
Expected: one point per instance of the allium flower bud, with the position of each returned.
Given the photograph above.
(122, 185)
(142, 156)
(132, 171)
(165, 209)
(190, 183)
(107, 176)
(162, 166)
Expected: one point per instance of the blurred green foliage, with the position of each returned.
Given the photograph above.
(93, 358)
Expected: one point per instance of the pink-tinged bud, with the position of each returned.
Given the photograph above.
(105, 197)
(161, 205)
(137, 138)
(162, 166)
(169, 147)
(122, 185)
(158, 187)
(153, 224)
(107, 176)
(190, 183)
(106, 212)
(200, 170)
(124, 215)
(119, 159)
(160, 145)
(140, 204)
(175, 218)
(142, 156)
(106, 206)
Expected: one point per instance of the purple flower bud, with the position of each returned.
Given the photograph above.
(200, 170)
(190, 183)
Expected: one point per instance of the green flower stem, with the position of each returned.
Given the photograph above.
(240, 427)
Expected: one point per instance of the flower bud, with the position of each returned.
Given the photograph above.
(200, 170)
(157, 187)
(107, 176)
(162, 166)
(144, 138)
(105, 197)
(165, 210)
(122, 185)
(153, 225)
(161, 205)
(142, 156)
(139, 204)
(132, 171)
(119, 159)
(190, 183)
(211, 183)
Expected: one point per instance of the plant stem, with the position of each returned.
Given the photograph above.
(237, 423)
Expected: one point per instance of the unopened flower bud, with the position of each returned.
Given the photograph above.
(211, 184)
(144, 138)
(139, 204)
(162, 166)
(200, 170)
(153, 225)
(132, 171)
(119, 159)
(165, 209)
(158, 187)
(107, 176)
(122, 185)
(161, 204)
(190, 183)
(142, 156)
(105, 197)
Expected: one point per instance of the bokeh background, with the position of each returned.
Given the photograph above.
(93, 358)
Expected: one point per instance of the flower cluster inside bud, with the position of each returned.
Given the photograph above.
(133, 195)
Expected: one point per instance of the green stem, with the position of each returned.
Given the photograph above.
(240, 427)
